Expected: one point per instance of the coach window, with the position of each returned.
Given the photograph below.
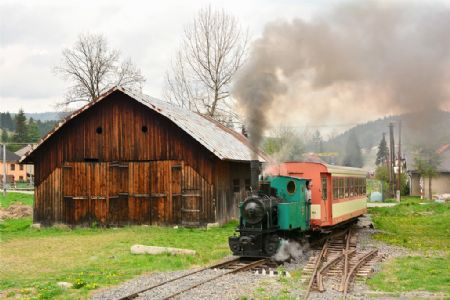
(335, 188)
(324, 188)
(362, 183)
(364, 186)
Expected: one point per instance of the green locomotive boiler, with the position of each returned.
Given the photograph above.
(279, 209)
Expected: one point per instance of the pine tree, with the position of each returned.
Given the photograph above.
(33, 134)
(317, 141)
(21, 134)
(4, 136)
(8, 122)
(353, 155)
(383, 152)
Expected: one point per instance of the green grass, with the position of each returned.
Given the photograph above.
(423, 228)
(413, 273)
(413, 225)
(33, 260)
(12, 198)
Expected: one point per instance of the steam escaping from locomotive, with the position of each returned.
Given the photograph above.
(381, 57)
(290, 249)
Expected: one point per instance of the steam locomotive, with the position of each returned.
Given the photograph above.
(278, 208)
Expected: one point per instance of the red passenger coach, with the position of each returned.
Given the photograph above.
(338, 193)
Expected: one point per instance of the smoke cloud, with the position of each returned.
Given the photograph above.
(360, 59)
(289, 250)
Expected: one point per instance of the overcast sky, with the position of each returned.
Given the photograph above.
(33, 34)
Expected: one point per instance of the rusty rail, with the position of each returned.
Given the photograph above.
(316, 266)
(218, 265)
(327, 266)
(346, 260)
(352, 272)
(239, 269)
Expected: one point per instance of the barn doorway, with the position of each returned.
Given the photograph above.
(122, 193)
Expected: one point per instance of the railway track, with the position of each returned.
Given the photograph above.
(340, 261)
(222, 269)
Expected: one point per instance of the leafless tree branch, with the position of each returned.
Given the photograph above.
(212, 50)
(92, 68)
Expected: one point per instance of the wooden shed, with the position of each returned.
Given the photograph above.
(127, 158)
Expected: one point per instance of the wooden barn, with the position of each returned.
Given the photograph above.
(127, 158)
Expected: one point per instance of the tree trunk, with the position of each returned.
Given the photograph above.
(430, 194)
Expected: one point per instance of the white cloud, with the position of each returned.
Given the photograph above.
(33, 34)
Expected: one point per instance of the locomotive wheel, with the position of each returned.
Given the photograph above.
(271, 244)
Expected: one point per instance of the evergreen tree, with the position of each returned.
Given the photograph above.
(383, 152)
(317, 141)
(33, 134)
(21, 134)
(6, 122)
(4, 136)
(353, 155)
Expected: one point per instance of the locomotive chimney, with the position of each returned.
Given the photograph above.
(254, 173)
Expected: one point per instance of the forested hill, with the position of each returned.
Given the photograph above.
(437, 132)
(45, 116)
(18, 130)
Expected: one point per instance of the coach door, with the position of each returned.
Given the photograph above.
(325, 185)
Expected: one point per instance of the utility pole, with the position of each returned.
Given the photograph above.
(391, 158)
(4, 169)
(399, 159)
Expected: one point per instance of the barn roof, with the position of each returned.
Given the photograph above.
(223, 142)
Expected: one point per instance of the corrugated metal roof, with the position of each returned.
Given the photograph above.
(225, 143)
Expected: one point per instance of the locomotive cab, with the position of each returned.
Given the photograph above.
(278, 208)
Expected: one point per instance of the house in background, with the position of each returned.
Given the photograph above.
(29, 168)
(14, 171)
(440, 184)
(127, 158)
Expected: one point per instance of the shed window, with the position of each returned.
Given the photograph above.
(236, 185)
(144, 129)
(99, 130)
(13, 167)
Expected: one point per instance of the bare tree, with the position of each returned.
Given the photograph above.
(92, 68)
(212, 50)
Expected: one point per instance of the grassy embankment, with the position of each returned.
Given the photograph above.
(33, 261)
(423, 228)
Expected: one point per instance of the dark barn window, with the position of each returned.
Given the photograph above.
(99, 130)
(236, 185)
(144, 129)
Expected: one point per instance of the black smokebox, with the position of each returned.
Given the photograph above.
(255, 168)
